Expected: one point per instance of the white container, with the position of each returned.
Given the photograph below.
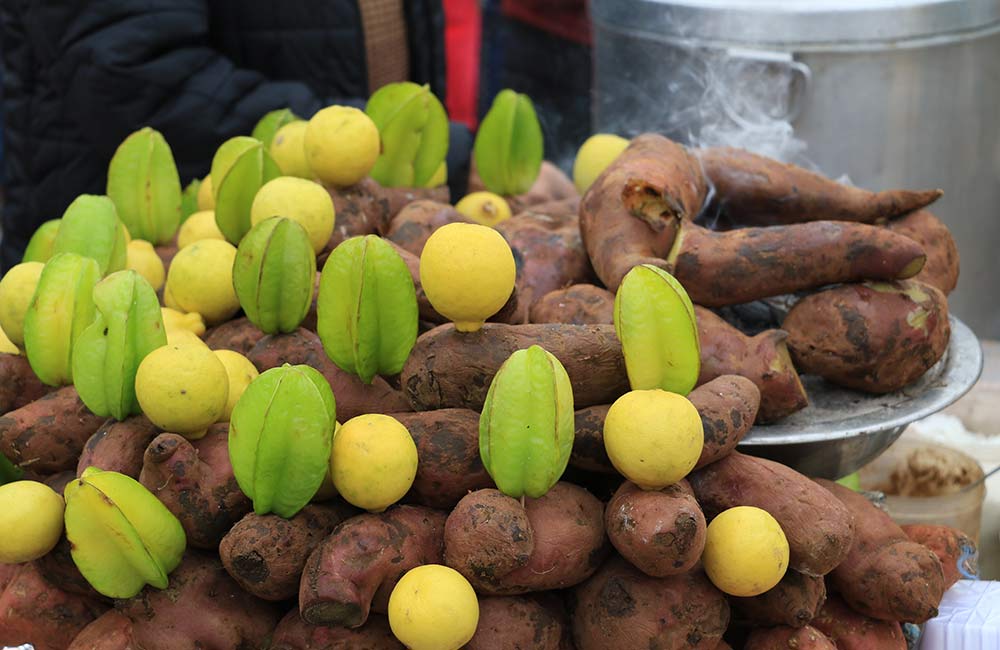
(968, 618)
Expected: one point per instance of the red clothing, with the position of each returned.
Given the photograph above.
(567, 19)
(462, 37)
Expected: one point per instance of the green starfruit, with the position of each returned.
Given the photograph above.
(40, 245)
(509, 146)
(90, 227)
(145, 187)
(244, 166)
(268, 125)
(189, 199)
(413, 126)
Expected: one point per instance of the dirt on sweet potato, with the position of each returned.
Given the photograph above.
(19, 386)
(519, 623)
(793, 602)
(293, 633)
(579, 304)
(118, 446)
(850, 630)
(788, 638)
(238, 335)
(952, 546)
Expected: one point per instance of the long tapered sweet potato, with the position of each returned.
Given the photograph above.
(788, 638)
(876, 337)
(293, 633)
(942, 267)
(118, 446)
(354, 397)
(238, 335)
(19, 386)
(519, 623)
(763, 359)
(850, 630)
(793, 602)
(622, 607)
(195, 480)
(417, 221)
(819, 528)
(952, 546)
(753, 190)
(729, 268)
(48, 434)
(448, 448)
(631, 212)
(111, 630)
(356, 567)
(579, 304)
(450, 369)
(886, 575)
(661, 532)
(265, 553)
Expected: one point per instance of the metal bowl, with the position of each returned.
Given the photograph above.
(842, 429)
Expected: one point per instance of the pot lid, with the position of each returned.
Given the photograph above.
(817, 22)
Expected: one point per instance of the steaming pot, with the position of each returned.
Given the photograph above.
(889, 93)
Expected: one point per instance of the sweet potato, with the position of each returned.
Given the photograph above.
(358, 213)
(819, 528)
(518, 623)
(392, 200)
(195, 480)
(265, 554)
(729, 268)
(448, 447)
(110, 631)
(19, 386)
(416, 222)
(504, 548)
(356, 567)
(753, 190)
(793, 602)
(942, 267)
(239, 335)
(788, 638)
(588, 452)
(763, 359)
(354, 397)
(449, 369)
(47, 435)
(579, 304)
(661, 532)
(551, 185)
(426, 310)
(630, 214)
(622, 607)
(885, 576)
(850, 630)
(118, 446)
(166, 253)
(953, 548)
(293, 633)
(35, 611)
(875, 337)
(202, 609)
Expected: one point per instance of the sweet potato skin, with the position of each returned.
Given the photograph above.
(356, 567)
(416, 222)
(238, 335)
(819, 528)
(579, 304)
(850, 630)
(763, 359)
(942, 268)
(621, 607)
(449, 369)
(779, 638)
(518, 623)
(109, 631)
(48, 434)
(793, 602)
(885, 576)
(951, 546)
(118, 446)
(875, 337)
(19, 386)
(195, 480)
(265, 554)
(661, 532)
(293, 633)
(588, 452)
(448, 448)
(425, 308)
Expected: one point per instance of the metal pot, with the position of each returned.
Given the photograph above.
(890, 93)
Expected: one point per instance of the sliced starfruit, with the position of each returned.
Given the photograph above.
(145, 187)
(90, 227)
(270, 123)
(40, 245)
(413, 126)
(509, 146)
(241, 167)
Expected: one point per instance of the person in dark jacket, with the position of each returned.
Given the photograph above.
(80, 75)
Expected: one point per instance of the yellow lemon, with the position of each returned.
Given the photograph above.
(6, 345)
(373, 462)
(289, 150)
(240, 372)
(206, 199)
(484, 208)
(201, 279)
(300, 200)
(168, 299)
(142, 258)
(182, 388)
(654, 438)
(16, 290)
(182, 336)
(433, 607)
(467, 272)
(746, 552)
(178, 320)
(342, 145)
(595, 154)
(200, 225)
(31, 513)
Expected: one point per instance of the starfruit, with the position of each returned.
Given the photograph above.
(367, 312)
(274, 275)
(268, 125)
(121, 536)
(655, 321)
(526, 428)
(509, 145)
(129, 325)
(9, 472)
(90, 227)
(62, 307)
(189, 199)
(413, 126)
(40, 245)
(143, 183)
(280, 438)
(241, 167)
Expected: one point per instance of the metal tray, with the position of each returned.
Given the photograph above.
(842, 429)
